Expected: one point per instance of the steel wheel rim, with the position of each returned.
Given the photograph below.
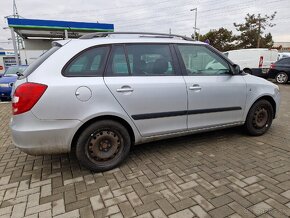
(261, 118)
(104, 146)
(281, 78)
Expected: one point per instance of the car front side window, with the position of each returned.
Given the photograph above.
(199, 60)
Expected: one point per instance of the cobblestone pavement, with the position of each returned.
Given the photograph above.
(218, 174)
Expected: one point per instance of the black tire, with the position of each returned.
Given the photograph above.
(259, 118)
(103, 145)
(281, 78)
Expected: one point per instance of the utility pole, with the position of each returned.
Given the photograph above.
(259, 31)
(195, 21)
(15, 39)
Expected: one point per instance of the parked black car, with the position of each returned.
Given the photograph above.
(280, 71)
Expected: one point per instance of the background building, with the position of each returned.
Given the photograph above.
(33, 37)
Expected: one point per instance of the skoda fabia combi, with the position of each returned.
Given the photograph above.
(105, 92)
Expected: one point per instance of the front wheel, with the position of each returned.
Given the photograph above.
(103, 145)
(282, 78)
(259, 118)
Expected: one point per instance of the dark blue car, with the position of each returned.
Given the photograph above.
(7, 80)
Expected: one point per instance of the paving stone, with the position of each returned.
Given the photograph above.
(203, 203)
(18, 210)
(126, 209)
(166, 207)
(158, 213)
(184, 214)
(86, 212)
(134, 199)
(221, 200)
(257, 197)
(198, 211)
(251, 180)
(242, 211)
(260, 208)
(286, 194)
(38, 208)
(97, 202)
(223, 211)
(144, 208)
(58, 207)
(71, 214)
(280, 207)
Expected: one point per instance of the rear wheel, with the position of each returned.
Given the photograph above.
(259, 118)
(282, 78)
(103, 145)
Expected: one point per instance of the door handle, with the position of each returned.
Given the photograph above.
(195, 87)
(127, 89)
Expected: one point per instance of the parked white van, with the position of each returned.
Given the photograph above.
(256, 61)
(283, 55)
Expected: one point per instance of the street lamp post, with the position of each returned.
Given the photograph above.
(195, 9)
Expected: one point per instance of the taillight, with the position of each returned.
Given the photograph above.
(272, 66)
(26, 96)
(261, 61)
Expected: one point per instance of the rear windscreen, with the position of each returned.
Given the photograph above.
(32, 67)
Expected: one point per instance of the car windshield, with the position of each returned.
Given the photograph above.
(11, 71)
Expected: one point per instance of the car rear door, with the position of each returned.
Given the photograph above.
(215, 97)
(147, 82)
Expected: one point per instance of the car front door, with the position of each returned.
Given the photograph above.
(215, 96)
(147, 83)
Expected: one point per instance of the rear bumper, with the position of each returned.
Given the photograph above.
(37, 137)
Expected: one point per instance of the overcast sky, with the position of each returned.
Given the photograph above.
(152, 15)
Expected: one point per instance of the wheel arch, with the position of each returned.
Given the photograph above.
(269, 99)
(99, 118)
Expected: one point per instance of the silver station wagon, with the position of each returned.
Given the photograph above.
(105, 92)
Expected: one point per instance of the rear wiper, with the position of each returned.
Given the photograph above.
(19, 74)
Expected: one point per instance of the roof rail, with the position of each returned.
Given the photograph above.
(142, 34)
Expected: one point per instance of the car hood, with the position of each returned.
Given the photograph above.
(8, 79)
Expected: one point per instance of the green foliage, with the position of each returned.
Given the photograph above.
(222, 39)
(251, 34)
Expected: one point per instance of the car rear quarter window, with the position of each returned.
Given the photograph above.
(90, 62)
(34, 65)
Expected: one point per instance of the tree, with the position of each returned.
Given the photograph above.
(251, 32)
(222, 39)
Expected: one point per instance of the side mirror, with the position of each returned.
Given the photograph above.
(236, 69)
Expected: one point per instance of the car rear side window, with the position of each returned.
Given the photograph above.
(118, 64)
(90, 62)
(150, 60)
